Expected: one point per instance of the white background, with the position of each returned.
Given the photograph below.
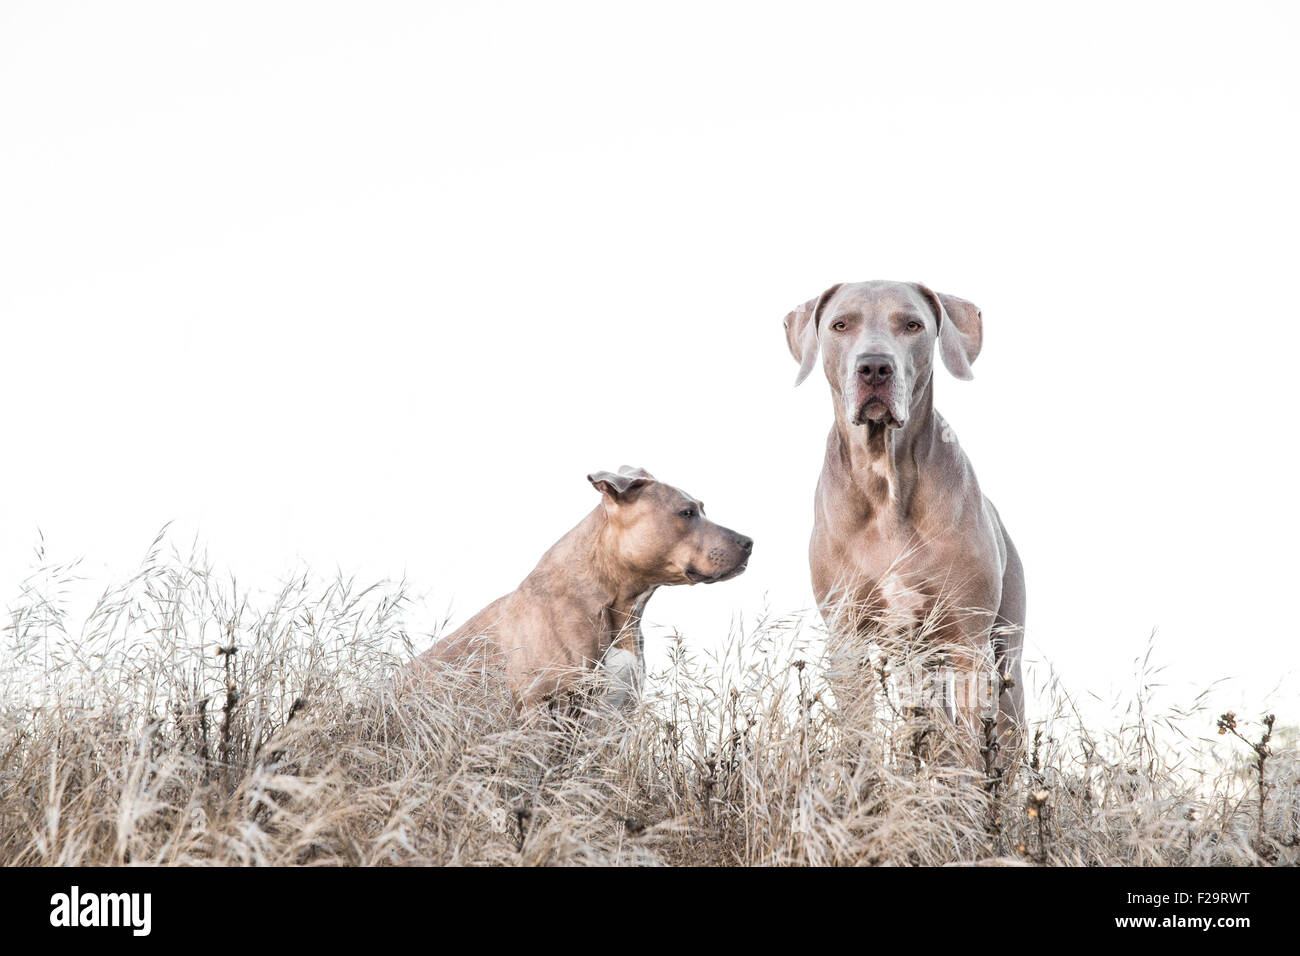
(373, 286)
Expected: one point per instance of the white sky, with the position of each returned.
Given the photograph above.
(374, 285)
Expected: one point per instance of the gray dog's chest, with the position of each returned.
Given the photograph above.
(901, 573)
(882, 574)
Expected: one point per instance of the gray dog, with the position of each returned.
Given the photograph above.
(901, 528)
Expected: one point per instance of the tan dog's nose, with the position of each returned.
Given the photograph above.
(875, 369)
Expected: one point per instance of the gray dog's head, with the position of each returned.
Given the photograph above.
(661, 533)
(877, 344)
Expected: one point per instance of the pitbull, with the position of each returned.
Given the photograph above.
(901, 529)
(583, 602)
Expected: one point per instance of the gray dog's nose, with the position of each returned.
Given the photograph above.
(875, 369)
(746, 544)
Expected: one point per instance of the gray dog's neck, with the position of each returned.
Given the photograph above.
(880, 465)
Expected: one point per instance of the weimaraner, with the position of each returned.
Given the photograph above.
(901, 528)
(583, 602)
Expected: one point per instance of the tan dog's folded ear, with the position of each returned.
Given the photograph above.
(801, 332)
(961, 331)
(635, 472)
(616, 486)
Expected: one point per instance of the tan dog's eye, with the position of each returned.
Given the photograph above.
(913, 326)
(839, 326)
(687, 513)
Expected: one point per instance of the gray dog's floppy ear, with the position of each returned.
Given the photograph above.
(617, 485)
(801, 332)
(961, 331)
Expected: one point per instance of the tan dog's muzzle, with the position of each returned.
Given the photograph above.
(726, 558)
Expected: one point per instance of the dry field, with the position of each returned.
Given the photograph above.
(187, 721)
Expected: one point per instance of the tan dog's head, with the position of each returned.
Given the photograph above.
(877, 343)
(661, 532)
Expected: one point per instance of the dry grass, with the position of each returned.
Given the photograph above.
(188, 723)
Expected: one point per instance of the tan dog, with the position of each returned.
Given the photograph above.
(583, 602)
(900, 525)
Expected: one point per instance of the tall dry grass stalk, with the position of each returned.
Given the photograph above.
(189, 722)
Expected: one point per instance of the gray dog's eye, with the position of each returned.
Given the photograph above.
(913, 326)
(687, 513)
(839, 326)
